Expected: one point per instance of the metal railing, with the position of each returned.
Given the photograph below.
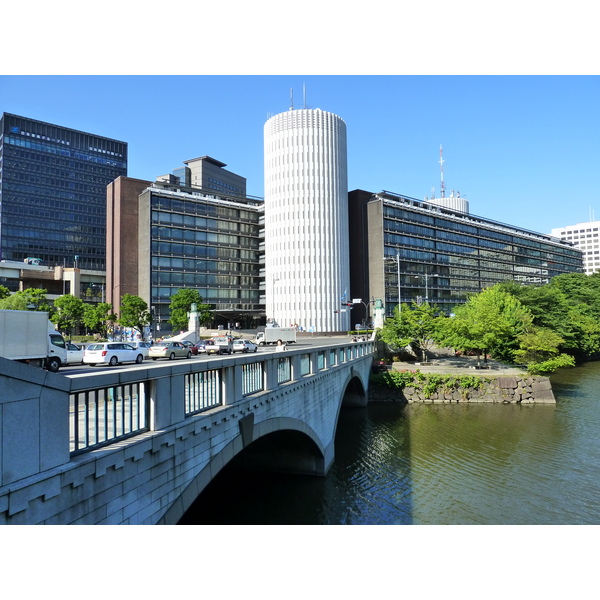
(202, 391)
(284, 370)
(252, 378)
(102, 416)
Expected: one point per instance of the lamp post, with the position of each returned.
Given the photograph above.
(426, 275)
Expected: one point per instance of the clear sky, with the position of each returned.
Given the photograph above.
(523, 150)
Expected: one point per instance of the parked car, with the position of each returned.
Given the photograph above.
(111, 353)
(169, 350)
(199, 348)
(210, 347)
(143, 347)
(187, 343)
(244, 346)
(74, 354)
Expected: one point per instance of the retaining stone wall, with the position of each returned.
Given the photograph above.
(524, 389)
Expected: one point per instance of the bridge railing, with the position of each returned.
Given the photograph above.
(169, 393)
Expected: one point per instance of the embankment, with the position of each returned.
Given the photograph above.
(415, 386)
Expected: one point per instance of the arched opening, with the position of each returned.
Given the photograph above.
(287, 453)
(354, 394)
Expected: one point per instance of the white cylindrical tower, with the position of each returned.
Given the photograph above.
(307, 272)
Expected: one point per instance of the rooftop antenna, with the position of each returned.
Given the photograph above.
(291, 98)
(443, 188)
(304, 94)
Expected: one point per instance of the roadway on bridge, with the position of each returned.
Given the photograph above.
(306, 342)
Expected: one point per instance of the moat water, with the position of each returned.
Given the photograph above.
(438, 464)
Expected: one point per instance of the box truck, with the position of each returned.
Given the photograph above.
(30, 337)
(271, 334)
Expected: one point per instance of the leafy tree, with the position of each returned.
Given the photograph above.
(4, 292)
(490, 321)
(414, 325)
(538, 345)
(564, 307)
(29, 299)
(134, 313)
(98, 317)
(69, 312)
(181, 304)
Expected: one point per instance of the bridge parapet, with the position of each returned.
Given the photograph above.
(61, 434)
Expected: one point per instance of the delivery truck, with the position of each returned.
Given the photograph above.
(30, 337)
(271, 334)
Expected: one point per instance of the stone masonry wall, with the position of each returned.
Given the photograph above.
(525, 389)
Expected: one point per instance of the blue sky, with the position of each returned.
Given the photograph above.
(523, 150)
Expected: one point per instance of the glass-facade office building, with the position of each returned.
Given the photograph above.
(53, 192)
(191, 239)
(408, 249)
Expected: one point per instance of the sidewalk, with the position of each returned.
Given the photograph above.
(448, 364)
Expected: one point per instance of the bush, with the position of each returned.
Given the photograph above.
(552, 364)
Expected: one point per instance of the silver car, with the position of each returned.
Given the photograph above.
(169, 350)
(244, 346)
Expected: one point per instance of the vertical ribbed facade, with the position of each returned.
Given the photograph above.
(306, 220)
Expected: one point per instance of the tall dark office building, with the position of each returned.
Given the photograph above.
(53, 192)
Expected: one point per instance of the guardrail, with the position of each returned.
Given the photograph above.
(99, 416)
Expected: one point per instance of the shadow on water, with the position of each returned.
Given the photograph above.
(368, 483)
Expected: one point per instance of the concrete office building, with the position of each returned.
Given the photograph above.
(164, 236)
(190, 239)
(307, 271)
(585, 237)
(53, 192)
(208, 174)
(412, 251)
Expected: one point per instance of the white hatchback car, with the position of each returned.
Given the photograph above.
(111, 353)
(244, 346)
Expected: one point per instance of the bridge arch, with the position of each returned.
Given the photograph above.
(354, 390)
(282, 444)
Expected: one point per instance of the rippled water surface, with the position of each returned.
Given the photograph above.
(439, 464)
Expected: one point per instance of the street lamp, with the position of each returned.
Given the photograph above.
(397, 259)
(426, 275)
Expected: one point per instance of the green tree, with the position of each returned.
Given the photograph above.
(566, 307)
(134, 313)
(413, 325)
(29, 299)
(490, 321)
(181, 304)
(98, 318)
(68, 313)
(4, 292)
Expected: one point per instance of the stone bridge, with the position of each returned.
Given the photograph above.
(138, 445)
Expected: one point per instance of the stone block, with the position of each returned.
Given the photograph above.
(507, 382)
